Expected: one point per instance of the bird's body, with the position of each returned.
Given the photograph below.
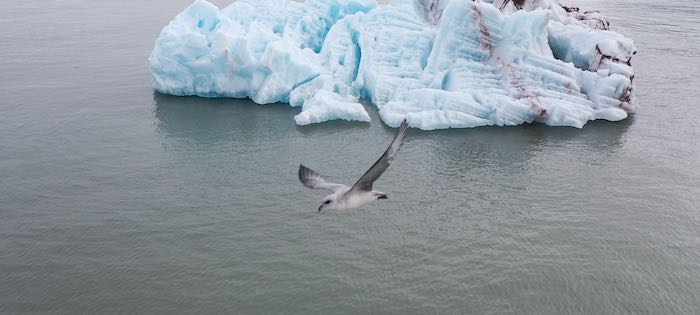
(360, 194)
(356, 200)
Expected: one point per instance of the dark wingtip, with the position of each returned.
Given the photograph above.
(404, 126)
(402, 130)
(301, 172)
(305, 173)
(384, 196)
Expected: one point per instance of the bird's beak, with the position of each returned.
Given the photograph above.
(319, 208)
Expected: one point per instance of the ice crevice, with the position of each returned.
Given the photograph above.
(439, 63)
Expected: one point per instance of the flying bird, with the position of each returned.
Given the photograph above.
(344, 197)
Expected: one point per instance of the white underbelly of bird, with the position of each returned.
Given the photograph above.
(360, 194)
(360, 199)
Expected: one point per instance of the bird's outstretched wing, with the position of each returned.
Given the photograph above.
(373, 173)
(311, 179)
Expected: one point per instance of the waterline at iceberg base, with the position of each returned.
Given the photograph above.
(439, 63)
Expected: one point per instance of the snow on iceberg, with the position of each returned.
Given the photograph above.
(440, 63)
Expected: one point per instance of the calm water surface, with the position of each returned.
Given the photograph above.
(116, 199)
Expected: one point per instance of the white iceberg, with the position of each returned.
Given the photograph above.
(440, 63)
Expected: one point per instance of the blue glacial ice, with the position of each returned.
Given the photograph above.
(439, 63)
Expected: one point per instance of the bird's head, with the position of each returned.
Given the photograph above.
(329, 202)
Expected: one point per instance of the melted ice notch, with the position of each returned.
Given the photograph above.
(439, 63)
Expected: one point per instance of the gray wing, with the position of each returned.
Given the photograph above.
(311, 179)
(373, 173)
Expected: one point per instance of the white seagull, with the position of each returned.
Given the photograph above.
(344, 197)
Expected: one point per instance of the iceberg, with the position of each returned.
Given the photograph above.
(438, 63)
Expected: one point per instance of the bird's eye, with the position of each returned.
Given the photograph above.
(327, 201)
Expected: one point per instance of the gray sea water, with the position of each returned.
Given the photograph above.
(116, 199)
